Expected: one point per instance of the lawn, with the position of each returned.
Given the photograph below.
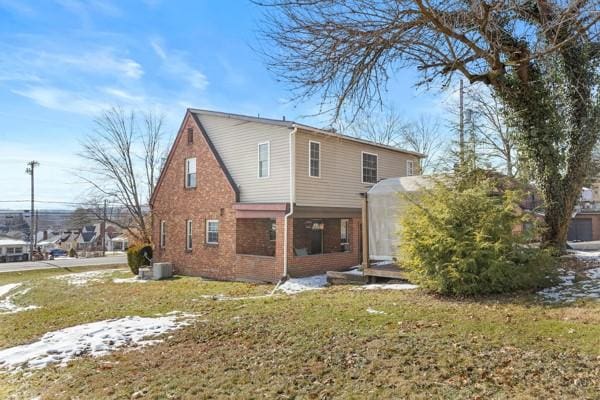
(330, 343)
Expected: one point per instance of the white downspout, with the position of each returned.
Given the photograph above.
(292, 192)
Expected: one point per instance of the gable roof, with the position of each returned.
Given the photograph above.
(292, 124)
(212, 149)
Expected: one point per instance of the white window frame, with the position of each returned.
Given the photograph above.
(310, 142)
(188, 172)
(208, 222)
(189, 244)
(362, 160)
(345, 221)
(163, 234)
(411, 169)
(268, 143)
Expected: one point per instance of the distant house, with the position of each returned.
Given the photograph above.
(13, 250)
(51, 242)
(117, 243)
(246, 198)
(90, 238)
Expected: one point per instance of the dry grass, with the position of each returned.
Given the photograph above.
(320, 344)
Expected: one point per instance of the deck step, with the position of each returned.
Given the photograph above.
(345, 278)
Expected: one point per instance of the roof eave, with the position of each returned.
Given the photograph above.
(358, 140)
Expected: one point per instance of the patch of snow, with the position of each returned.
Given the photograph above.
(95, 339)
(375, 312)
(7, 306)
(387, 286)
(133, 279)
(83, 278)
(354, 271)
(298, 285)
(584, 254)
(222, 297)
(568, 290)
(4, 289)
(381, 263)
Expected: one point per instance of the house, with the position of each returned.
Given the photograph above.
(117, 242)
(585, 221)
(13, 249)
(247, 198)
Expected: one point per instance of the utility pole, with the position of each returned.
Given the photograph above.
(103, 230)
(37, 226)
(461, 129)
(32, 231)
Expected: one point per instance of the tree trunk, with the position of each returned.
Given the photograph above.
(557, 218)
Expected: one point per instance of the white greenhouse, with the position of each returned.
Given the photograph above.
(385, 203)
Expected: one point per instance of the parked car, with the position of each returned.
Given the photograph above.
(57, 252)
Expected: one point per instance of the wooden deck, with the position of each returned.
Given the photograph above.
(390, 271)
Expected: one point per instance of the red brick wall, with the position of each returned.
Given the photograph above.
(252, 237)
(212, 198)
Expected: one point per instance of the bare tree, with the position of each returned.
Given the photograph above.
(539, 57)
(424, 136)
(496, 138)
(388, 127)
(380, 127)
(123, 163)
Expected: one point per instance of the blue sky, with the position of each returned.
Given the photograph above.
(64, 61)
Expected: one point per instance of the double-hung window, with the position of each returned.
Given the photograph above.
(410, 167)
(264, 154)
(188, 234)
(369, 168)
(344, 231)
(345, 234)
(190, 172)
(212, 231)
(314, 167)
(163, 234)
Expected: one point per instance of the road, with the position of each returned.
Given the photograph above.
(62, 263)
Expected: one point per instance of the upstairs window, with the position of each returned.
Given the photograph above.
(369, 168)
(190, 172)
(410, 167)
(163, 234)
(190, 135)
(264, 153)
(188, 234)
(212, 231)
(314, 167)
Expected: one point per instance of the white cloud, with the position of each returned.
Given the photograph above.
(62, 100)
(102, 60)
(174, 62)
(123, 95)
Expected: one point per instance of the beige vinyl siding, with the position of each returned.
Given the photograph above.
(340, 183)
(237, 141)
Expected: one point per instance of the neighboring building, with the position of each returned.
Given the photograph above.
(231, 182)
(90, 238)
(117, 242)
(585, 223)
(13, 249)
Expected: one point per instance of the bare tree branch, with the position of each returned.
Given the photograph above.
(122, 164)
